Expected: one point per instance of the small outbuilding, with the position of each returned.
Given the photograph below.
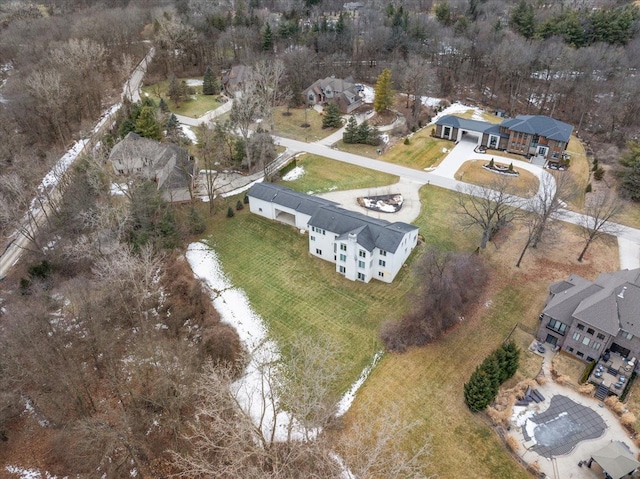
(616, 460)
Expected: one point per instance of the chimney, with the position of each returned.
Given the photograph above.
(621, 294)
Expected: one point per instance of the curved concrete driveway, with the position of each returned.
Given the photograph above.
(465, 151)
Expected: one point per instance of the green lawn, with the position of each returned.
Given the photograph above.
(422, 152)
(195, 107)
(323, 175)
(290, 126)
(357, 149)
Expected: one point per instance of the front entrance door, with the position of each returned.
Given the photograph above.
(542, 151)
(551, 339)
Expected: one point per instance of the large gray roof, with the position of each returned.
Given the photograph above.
(287, 197)
(540, 125)
(473, 125)
(610, 303)
(370, 232)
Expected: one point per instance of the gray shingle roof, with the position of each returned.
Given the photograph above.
(540, 125)
(610, 303)
(457, 122)
(287, 197)
(371, 232)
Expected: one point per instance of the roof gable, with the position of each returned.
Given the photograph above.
(288, 198)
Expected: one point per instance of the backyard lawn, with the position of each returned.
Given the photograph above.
(525, 185)
(323, 175)
(196, 106)
(298, 294)
(578, 171)
(289, 126)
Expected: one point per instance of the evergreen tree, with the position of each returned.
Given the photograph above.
(331, 118)
(491, 367)
(363, 133)
(147, 125)
(383, 92)
(443, 13)
(631, 183)
(340, 25)
(210, 84)
(512, 359)
(522, 19)
(478, 391)
(267, 39)
(230, 213)
(164, 108)
(172, 122)
(196, 222)
(350, 134)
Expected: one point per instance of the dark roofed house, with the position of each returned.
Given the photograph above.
(168, 165)
(588, 318)
(234, 79)
(342, 91)
(361, 247)
(528, 135)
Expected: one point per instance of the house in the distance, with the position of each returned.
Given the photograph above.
(588, 318)
(343, 92)
(233, 80)
(361, 247)
(528, 135)
(166, 164)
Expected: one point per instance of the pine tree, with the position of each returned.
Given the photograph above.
(267, 39)
(491, 367)
(147, 125)
(363, 134)
(331, 118)
(522, 19)
(164, 108)
(350, 134)
(478, 391)
(176, 91)
(230, 213)
(383, 92)
(512, 359)
(172, 122)
(210, 84)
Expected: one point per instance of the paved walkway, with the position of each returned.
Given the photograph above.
(207, 117)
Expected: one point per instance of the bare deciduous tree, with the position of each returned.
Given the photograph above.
(600, 210)
(489, 208)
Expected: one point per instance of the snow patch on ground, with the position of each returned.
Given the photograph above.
(368, 94)
(294, 174)
(348, 398)
(194, 82)
(63, 164)
(384, 139)
(21, 473)
(430, 101)
(521, 418)
(118, 189)
(458, 108)
(189, 133)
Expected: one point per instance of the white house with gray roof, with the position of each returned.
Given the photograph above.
(586, 318)
(360, 246)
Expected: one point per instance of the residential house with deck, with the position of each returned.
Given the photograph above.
(527, 135)
(588, 318)
(343, 92)
(361, 247)
(166, 164)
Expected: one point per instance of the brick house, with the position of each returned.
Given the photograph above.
(343, 92)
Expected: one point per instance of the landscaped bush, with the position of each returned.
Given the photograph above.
(587, 389)
(599, 173)
(615, 405)
(230, 213)
(451, 282)
(239, 205)
(513, 443)
(628, 419)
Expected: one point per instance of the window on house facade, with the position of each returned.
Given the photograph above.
(343, 257)
(570, 349)
(383, 252)
(319, 251)
(581, 327)
(342, 269)
(362, 253)
(590, 359)
(576, 336)
(382, 262)
(361, 276)
(626, 335)
(579, 354)
(313, 238)
(557, 326)
(343, 247)
(600, 336)
(586, 341)
(318, 230)
(596, 346)
(590, 331)
(361, 264)
(381, 274)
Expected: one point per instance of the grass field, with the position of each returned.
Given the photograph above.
(290, 126)
(369, 151)
(570, 366)
(422, 152)
(323, 175)
(298, 294)
(194, 107)
(525, 185)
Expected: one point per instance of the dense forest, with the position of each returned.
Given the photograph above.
(124, 331)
